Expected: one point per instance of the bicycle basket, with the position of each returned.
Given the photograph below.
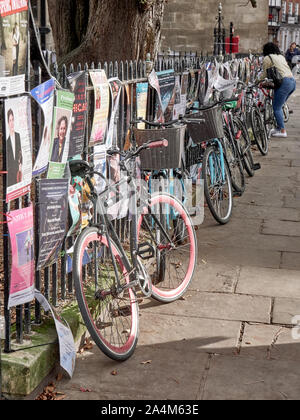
(165, 157)
(208, 125)
(194, 155)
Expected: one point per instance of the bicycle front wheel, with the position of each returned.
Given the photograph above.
(217, 186)
(111, 315)
(168, 228)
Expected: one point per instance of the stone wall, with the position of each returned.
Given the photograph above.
(189, 24)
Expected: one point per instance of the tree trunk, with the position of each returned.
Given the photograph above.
(106, 30)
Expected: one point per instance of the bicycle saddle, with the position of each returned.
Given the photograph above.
(79, 168)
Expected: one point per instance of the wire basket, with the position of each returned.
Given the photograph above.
(194, 155)
(207, 125)
(161, 158)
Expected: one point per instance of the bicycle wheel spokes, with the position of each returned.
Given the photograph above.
(173, 239)
(111, 315)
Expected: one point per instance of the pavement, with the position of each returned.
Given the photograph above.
(233, 335)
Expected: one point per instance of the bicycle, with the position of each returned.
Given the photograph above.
(107, 274)
(210, 153)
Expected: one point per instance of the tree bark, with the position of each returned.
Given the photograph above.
(105, 30)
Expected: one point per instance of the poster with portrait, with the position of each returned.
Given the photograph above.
(44, 95)
(141, 102)
(77, 83)
(53, 215)
(101, 106)
(20, 226)
(14, 40)
(115, 86)
(60, 141)
(18, 130)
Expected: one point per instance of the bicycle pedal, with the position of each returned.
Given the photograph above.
(146, 251)
(256, 166)
(237, 194)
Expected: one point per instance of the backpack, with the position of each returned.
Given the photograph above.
(274, 75)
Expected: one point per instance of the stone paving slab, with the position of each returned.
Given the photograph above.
(240, 378)
(247, 212)
(282, 228)
(215, 278)
(216, 306)
(189, 334)
(291, 260)
(239, 255)
(270, 342)
(285, 310)
(152, 374)
(269, 282)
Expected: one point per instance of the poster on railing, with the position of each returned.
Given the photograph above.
(101, 106)
(166, 80)
(60, 141)
(154, 83)
(20, 226)
(67, 348)
(115, 86)
(53, 215)
(74, 207)
(18, 129)
(100, 166)
(14, 39)
(44, 95)
(141, 102)
(77, 83)
(127, 115)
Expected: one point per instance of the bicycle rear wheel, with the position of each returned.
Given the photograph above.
(174, 242)
(234, 163)
(111, 316)
(244, 143)
(259, 131)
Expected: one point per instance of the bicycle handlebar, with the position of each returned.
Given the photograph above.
(153, 124)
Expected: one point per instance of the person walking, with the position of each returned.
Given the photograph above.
(273, 57)
(291, 53)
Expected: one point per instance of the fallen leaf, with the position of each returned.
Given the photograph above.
(114, 373)
(147, 362)
(85, 389)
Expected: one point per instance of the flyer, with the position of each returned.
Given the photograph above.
(18, 131)
(78, 87)
(101, 106)
(67, 348)
(100, 166)
(53, 215)
(10, 86)
(141, 102)
(127, 117)
(44, 95)
(20, 226)
(60, 140)
(166, 81)
(154, 83)
(115, 86)
(13, 37)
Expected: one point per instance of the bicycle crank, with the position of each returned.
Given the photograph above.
(144, 279)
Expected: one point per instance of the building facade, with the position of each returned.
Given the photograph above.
(189, 24)
(289, 24)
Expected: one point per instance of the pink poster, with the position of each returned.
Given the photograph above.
(20, 225)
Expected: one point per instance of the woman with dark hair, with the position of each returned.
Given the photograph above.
(273, 57)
